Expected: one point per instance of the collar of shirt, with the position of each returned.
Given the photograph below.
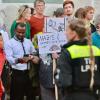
(15, 37)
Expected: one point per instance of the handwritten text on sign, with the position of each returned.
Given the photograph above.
(51, 42)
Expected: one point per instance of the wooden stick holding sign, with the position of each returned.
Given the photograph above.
(56, 90)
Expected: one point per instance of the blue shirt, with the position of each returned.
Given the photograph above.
(96, 39)
(14, 50)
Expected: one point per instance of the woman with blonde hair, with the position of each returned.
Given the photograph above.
(78, 65)
(24, 14)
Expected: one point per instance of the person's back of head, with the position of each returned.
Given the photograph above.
(59, 12)
(80, 13)
(79, 27)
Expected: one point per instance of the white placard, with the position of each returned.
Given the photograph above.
(55, 25)
(51, 42)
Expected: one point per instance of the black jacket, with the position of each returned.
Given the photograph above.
(74, 69)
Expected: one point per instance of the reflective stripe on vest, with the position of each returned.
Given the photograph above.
(77, 51)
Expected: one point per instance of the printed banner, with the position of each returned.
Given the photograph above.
(55, 25)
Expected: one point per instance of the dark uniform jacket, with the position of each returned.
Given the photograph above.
(73, 66)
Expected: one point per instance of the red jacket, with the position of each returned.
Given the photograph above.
(2, 61)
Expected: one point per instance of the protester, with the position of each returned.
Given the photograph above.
(2, 61)
(46, 69)
(96, 35)
(4, 39)
(37, 25)
(37, 81)
(37, 20)
(89, 14)
(68, 7)
(78, 66)
(80, 13)
(19, 52)
(24, 14)
(59, 12)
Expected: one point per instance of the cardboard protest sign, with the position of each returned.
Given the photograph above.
(50, 42)
(55, 25)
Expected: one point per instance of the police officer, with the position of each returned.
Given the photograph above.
(78, 68)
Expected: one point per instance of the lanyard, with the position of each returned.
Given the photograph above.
(23, 48)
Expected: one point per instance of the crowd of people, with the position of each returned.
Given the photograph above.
(78, 66)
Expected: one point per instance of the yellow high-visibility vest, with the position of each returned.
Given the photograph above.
(77, 51)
